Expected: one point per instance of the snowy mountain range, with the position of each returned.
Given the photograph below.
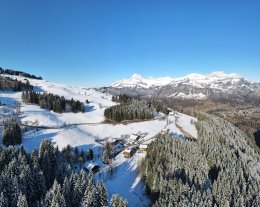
(138, 81)
(217, 85)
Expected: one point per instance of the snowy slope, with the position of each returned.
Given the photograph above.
(91, 134)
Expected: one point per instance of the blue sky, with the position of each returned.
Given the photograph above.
(95, 42)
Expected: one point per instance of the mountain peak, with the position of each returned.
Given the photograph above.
(221, 74)
(137, 80)
(213, 75)
(136, 76)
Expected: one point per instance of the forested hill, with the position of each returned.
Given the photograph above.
(220, 169)
(19, 73)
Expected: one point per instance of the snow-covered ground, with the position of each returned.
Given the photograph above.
(187, 123)
(125, 180)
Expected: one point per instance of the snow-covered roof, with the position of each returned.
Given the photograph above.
(112, 140)
(91, 165)
(133, 137)
(143, 146)
(128, 150)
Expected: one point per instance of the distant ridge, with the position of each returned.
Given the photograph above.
(216, 86)
(19, 73)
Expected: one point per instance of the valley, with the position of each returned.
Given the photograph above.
(120, 148)
(90, 130)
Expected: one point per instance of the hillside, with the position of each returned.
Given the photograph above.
(214, 144)
(89, 131)
(220, 169)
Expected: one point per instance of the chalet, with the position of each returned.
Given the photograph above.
(169, 110)
(133, 138)
(143, 148)
(112, 141)
(129, 152)
(92, 167)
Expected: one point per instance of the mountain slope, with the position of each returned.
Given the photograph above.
(220, 169)
(91, 133)
(138, 81)
(216, 86)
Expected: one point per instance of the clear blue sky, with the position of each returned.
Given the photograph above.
(95, 42)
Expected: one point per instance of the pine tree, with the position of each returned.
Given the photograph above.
(39, 182)
(67, 191)
(3, 200)
(102, 194)
(54, 196)
(47, 169)
(12, 134)
(106, 156)
(22, 202)
(117, 201)
(90, 154)
(88, 197)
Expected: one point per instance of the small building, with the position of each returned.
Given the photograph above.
(129, 152)
(133, 138)
(169, 110)
(92, 167)
(143, 148)
(112, 141)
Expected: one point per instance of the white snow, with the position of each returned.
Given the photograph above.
(216, 80)
(198, 80)
(125, 180)
(143, 146)
(198, 96)
(93, 132)
(138, 80)
(187, 123)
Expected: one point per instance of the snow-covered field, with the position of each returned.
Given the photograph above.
(125, 180)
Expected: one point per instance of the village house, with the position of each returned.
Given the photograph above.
(129, 152)
(143, 148)
(133, 138)
(112, 141)
(92, 167)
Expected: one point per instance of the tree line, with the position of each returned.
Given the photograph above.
(19, 73)
(133, 109)
(129, 111)
(7, 83)
(44, 178)
(122, 98)
(220, 169)
(12, 134)
(53, 102)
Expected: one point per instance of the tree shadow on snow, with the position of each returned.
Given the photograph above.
(33, 139)
(38, 89)
(124, 180)
(89, 108)
(7, 101)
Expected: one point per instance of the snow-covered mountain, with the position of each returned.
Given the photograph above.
(138, 81)
(217, 85)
